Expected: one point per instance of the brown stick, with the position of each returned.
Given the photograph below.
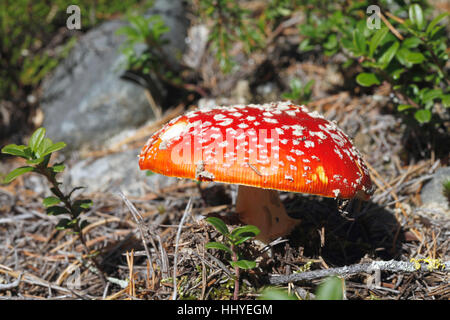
(393, 266)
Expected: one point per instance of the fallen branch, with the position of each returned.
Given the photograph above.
(139, 221)
(392, 266)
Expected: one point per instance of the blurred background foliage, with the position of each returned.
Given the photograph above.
(410, 53)
(34, 38)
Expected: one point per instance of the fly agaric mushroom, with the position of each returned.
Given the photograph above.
(262, 148)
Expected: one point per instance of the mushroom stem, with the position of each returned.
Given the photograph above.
(264, 209)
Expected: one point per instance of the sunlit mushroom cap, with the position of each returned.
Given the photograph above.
(278, 146)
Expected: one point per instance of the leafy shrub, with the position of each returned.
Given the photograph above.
(299, 93)
(410, 53)
(148, 31)
(231, 24)
(409, 50)
(37, 155)
(232, 240)
(230, 245)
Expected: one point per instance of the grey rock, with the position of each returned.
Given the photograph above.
(114, 173)
(85, 101)
(431, 193)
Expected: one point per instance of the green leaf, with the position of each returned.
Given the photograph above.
(58, 167)
(15, 150)
(242, 240)
(402, 107)
(246, 231)
(36, 161)
(85, 204)
(408, 58)
(446, 100)
(80, 206)
(51, 201)
(219, 225)
(415, 57)
(331, 42)
(416, 16)
(305, 46)
(367, 79)
(387, 56)
(56, 210)
(330, 289)
(377, 39)
(218, 246)
(395, 74)
(434, 34)
(308, 86)
(36, 139)
(243, 264)
(17, 172)
(63, 224)
(435, 21)
(54, 147)
(432, 94)
(275, 294)
(423, 115)
(28, 152)
(359, 41)
(411, 42)
(44, 145)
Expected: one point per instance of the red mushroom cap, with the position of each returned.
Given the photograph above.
(274, 146)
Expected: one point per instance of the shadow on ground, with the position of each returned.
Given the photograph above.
(343, 236)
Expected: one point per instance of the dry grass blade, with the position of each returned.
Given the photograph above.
(139, 221)
(187, 211)
(13, 284)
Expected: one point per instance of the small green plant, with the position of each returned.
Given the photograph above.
(37, 155)
(148, 31)
(331, 288)
(299, 93)
(231, 24)
(410, 54)
(230, 244)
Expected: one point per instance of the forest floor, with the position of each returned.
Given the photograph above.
(39, 262)
(391, 225)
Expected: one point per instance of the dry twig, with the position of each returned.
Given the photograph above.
(392, 266)
(185, 214)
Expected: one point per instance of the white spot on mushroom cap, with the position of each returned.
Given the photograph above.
(173, 131)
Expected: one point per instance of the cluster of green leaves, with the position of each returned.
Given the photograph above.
(298, 92)
(37, 155)
(232, 240)
(412, 61)
(231, 24)
(331, 288)
(27, 26)
(148, 31)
